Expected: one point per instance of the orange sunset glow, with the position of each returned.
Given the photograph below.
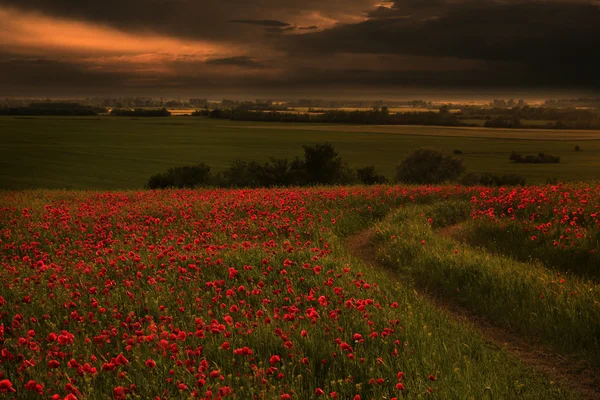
(31, 33)
(287, 45)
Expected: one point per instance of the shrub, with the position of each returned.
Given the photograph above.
(283, 172)
(244, 174)
(457, 152)
(469, 179)
(368, 176)
(541, 158)
(323, 164)
(429, 166)
(187, 176)
(488, 179)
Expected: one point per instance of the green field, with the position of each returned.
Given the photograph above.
(120, 153)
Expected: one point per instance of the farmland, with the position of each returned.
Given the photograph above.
(121, 153)
(299, 293)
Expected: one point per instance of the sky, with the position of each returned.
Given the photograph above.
(298, 48)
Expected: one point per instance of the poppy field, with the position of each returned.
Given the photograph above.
(255, 294)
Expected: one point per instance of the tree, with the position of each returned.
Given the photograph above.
(187, 176)
(245, 174)
(323, 164)
(283, 172)
(368, 176)
(429, 166)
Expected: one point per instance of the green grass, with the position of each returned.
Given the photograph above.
(121, 153)
(511, 239)
(535, 302)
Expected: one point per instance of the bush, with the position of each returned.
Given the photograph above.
(457, 152)
(488, 179)
(323, 164)
(244, 174)
(368, 176)
(187, 176)
(541, 158)
(469, 179)
(283, 172)
(577, 148)
(429, 166)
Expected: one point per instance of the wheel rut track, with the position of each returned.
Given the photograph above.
(572, 373)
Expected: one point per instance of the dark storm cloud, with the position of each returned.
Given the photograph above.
(34, 73)
(193, 18)
(262, 22)
(556, 41)
(333, 43)
(240, 61)
(277, 31)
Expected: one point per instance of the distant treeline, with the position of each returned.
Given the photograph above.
(516, 117)
(558, 118)
(140, 112)
(53, 108)
(377, 116)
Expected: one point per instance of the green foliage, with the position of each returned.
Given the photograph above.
(321, 166)
(140, 112)
(429, 166)
(503, 122)
(534, 302)
(489, 179)
(188, 176)
(541, 158)
(512, 240)
(376, 116)
(280, 172)
(368, 176)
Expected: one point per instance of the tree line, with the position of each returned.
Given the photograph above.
(376, 116)
(53, 109)
(322, 165)
(140, 112)
(497, 117)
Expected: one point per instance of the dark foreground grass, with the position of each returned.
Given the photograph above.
(121, 153)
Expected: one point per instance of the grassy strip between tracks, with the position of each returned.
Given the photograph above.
(526, 298)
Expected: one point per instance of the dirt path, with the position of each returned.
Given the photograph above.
(572, 373)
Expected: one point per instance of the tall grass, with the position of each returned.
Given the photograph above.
(525, 297)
